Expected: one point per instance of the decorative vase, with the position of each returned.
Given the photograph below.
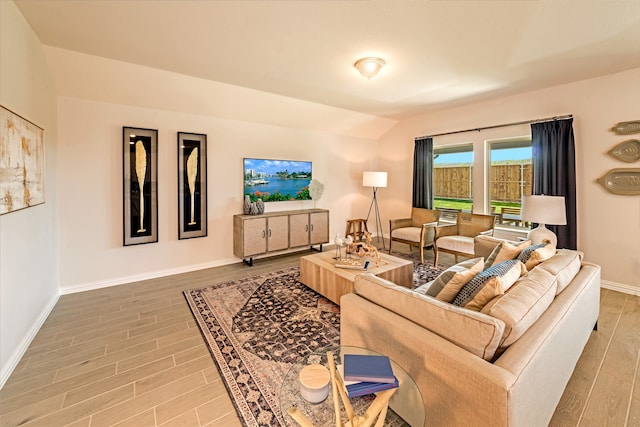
(260, 206)
(247, 205)
(254, 209)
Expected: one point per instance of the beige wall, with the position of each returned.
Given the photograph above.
(28, 238)
(608, 225)
(90, 187)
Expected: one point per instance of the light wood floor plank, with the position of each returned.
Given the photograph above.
(132, 355)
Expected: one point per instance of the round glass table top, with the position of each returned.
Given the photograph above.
(405, 406)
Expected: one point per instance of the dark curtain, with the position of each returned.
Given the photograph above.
(554, 172)
(423, 173)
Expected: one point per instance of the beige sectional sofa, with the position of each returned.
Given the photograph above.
(507, 365)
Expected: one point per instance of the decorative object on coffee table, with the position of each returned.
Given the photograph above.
(365, 249)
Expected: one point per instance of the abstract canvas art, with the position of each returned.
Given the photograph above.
(21, 163)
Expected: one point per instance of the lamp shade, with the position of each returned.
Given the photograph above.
(544, 210)
(374, 179)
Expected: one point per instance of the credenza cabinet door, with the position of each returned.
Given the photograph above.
(277, 233)
(254, 236)
(299, 230)
(318, 227)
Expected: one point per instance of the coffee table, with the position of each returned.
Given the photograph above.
(318, 272)
(405, 407)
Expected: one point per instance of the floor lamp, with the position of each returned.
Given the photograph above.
(375, 180)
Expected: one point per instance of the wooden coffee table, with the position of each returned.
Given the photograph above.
(318, 271)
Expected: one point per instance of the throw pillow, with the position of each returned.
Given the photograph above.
(488, 284)
(450, 273)
(535, 254)
(458, 280)
(505, 251)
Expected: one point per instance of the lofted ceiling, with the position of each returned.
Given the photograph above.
(438, 53)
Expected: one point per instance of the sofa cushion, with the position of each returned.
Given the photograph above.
(491, 282)
(535, 254)
(505, 251)
(455, 273)
(462, 244)
(407, 233)
(523, 304)
(476, 332)
(564, 265)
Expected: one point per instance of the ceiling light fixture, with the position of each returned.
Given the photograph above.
(369, 67)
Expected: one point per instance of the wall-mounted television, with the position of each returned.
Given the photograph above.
(276, 180)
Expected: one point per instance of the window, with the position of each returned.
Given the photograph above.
(509, 178)
(452, 179)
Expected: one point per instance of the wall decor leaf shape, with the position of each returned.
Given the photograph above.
(627, 151)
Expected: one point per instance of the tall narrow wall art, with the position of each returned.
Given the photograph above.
(140, 186)
(192, 185)
(21, 162)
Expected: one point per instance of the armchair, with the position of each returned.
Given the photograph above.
(458, 238)
(415, 231)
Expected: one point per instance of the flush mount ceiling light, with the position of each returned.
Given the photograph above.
(369, 67)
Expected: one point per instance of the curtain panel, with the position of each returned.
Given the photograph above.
(423, 173)
(554, 172)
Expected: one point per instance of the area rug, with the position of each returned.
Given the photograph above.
(256, 328)
(422, 273)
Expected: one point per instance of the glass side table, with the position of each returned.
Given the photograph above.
(405, 407)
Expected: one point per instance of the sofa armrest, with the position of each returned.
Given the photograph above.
(399, 223)
(456, 386)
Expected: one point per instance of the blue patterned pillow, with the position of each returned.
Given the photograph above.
(534, 255)
(491, 282)
(526, 253)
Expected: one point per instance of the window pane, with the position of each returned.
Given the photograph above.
(452, 178)
(510, 180)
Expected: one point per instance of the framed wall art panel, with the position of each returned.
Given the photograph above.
(140, 189)
(192, 185)
(21, 162)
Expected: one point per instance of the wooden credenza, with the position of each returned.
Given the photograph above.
(269, 233)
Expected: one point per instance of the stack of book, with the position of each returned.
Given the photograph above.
(364, 374)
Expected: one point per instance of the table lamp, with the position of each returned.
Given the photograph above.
(543, 210)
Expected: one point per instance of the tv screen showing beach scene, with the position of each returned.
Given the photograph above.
(276, 180)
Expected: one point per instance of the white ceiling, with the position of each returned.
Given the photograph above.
(438, 53)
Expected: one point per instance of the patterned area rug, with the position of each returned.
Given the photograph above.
(256, 328)
(422, 273)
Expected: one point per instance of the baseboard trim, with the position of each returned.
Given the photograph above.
(620, 287)
(13, 361)
(139, 277)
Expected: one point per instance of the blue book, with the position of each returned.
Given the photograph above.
(362, 388)
(368, 368)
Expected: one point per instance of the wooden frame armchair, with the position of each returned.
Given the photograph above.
(418, 230)
(458, 238)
